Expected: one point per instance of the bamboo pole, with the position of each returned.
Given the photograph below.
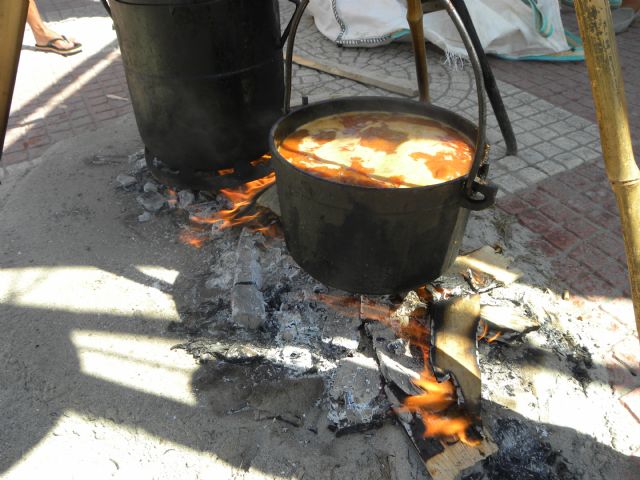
(13, 15)
(414, 17)
(601, 53)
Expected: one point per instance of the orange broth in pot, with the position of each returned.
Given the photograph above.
(379, 149)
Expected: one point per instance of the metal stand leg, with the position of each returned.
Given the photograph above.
(13, 16)
(414, 18)
(489, 80)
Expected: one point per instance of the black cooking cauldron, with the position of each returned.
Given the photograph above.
(205, 77)
(378, 240)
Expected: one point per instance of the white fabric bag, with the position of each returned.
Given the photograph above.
(360, 23)
(509, 28)
(505, 27)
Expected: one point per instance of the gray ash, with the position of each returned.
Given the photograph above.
(522, 456)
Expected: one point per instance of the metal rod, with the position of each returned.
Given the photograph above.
(288, 64)
(414, 17)
(607, 87)
(13, 16)
(480, 153)
(489, 80)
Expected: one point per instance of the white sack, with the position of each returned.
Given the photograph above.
(360, 23)
(505, 27)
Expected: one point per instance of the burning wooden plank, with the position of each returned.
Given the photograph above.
(426, 408)
(455, 326)
(458, 457)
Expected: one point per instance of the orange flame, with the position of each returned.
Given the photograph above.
(485, 332)
(448, 426)
(494, 337)
(190, 237)
(343, 304)
(173, 197)
(435, 404)
(240, 198)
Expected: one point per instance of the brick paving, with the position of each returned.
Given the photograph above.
(555, 188)
(56, 97)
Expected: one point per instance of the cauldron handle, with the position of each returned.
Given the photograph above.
(478, 195)
(288, 65)
(287, 29)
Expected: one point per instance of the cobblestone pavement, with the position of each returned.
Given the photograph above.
(555, 187)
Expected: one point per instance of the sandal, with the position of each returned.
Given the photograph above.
(50, 47)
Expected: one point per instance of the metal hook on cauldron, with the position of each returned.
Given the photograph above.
(472, 186)
(288, 65)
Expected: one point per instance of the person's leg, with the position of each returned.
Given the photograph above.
(43, 34)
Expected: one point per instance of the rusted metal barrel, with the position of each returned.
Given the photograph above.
(205, 78)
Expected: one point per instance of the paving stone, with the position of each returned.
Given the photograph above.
(559, 237)
(608, 220)
(621, 380)
(510, 183)
(577, 182)
(528, 139)
(544, 247)
(628, 353)
(548, 150)
(535, 221)
(550, 167)
(621, 310)
(535, 197)
(588, 283)
(610, 245)
(530, 175)
(10, 158)
(546, 134)
(512, 204)
(632, 402)
(565, 143)
(531, 156)
(581, 227)
(587, 153)
(513, 163)
(567, 268)
(583, 137)
(591, 171)
(528, 125)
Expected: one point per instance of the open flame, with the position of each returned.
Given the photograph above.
(243, 210)
(242, 199)
(436, 406)
(193, 238)
(485, 332)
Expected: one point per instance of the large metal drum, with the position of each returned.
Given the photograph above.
(205, 78)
